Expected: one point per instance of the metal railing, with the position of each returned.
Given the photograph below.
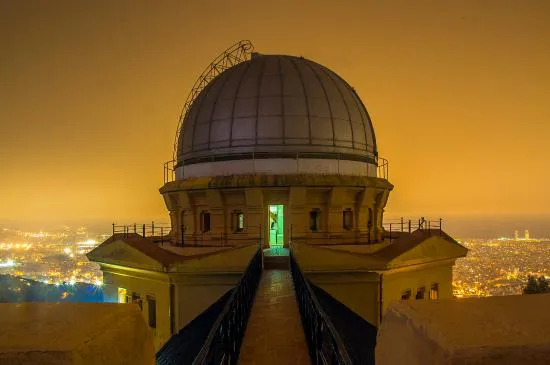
(223, 343)
(248, 234)
(344, 237)
(169, 171)
(382, 168)
(324, 342)
(153, 229)
(237, 53)
(410, 225)
(381, 164)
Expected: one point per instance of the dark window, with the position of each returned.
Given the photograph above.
(434, 291)
(152, 305)
(420, 293)
(314, 216)
(136, 299)
(406, 294)
(347, 218)
(205, 221)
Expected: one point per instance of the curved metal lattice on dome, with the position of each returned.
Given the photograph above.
(237, 53)
(252, 113)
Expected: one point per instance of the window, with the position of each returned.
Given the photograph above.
(434, 291)
(237, 221)
(347, 217)
(122, 295)
(205, 221)
(240, 221)
(136, 299)
(314, 216)
(420, 293)
(152, 306)
(406, 294)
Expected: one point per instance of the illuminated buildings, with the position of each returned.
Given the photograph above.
(275, 150)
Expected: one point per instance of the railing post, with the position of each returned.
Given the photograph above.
(161, 235)
(135, 230)
(440, 224)
(409, 226)
(152, 228)
(143, 229)
(113, 228)
(390, 232)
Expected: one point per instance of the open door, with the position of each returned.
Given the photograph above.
(276, 225)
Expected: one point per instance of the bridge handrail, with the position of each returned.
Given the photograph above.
(324, 342)
(223, 344)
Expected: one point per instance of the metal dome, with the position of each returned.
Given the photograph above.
(274, 106)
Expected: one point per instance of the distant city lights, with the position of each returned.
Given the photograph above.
(7, 263)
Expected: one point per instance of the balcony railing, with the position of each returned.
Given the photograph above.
(169, 171)
(159, 230)
(382, 168)
(410, 225)
(224, 341)
(324, 342)
(343, 236)
(247, 234)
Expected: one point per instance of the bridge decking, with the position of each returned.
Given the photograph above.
(274, 333)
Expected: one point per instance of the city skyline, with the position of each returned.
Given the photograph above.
(91, 94)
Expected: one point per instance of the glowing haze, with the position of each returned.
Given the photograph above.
(90, 95)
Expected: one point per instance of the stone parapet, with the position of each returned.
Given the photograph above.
(495, 330)
(74, 333)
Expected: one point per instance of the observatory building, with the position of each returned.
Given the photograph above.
(275, 155)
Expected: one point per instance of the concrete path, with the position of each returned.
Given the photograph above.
(274, 333)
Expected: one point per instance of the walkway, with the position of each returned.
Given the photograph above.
(274, 333)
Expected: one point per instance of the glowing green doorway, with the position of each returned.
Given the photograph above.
(276, 225)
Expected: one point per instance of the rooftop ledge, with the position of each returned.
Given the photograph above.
(74, 333)
(495, 330)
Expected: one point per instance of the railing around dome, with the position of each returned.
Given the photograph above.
(324, 342)
(169, 171)
(223, 343)
(382, 166)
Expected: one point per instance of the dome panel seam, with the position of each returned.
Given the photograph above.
(307, 62)
(237, 89)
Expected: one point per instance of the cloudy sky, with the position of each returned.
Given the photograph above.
(91, 92)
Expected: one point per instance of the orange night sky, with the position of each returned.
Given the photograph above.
(90, 95)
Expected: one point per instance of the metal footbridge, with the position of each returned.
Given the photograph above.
(273, 316)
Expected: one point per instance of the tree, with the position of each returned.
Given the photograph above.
(536, 285)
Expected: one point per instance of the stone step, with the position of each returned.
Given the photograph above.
(276, 262)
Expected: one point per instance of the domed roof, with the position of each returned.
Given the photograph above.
(277, 106)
